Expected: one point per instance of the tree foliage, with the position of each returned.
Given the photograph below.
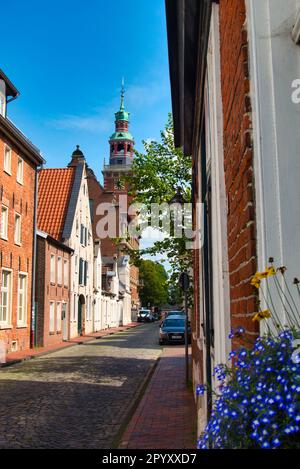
(154, 280)
(156, 175)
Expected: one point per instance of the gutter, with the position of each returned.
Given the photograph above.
(33, 283)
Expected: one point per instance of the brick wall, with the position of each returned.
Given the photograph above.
(108, 248)
(238, 163)
(47, 291)
(18, 198)
(40, 289)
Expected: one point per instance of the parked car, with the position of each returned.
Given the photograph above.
(172, 330)
(175, 313)
(145, 315)
(157, 316)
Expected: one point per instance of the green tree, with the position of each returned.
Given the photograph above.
(156, 175)
(154, 280)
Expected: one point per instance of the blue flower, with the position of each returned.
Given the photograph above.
(200, 390)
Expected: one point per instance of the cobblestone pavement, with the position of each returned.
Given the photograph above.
(76, 397)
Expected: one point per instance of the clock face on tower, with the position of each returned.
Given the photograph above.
(119, 184)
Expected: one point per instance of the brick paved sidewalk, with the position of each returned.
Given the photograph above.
(16, 357)
(166, 416)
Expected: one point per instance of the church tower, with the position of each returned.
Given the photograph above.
(121, 153)
(121, 145)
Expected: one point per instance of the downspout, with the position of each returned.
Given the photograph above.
(33, 283)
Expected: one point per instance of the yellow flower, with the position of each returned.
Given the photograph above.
(255, 281)
(271, 271)
(261, 275)
(262, 315)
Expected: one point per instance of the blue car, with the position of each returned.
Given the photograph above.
(172, 330)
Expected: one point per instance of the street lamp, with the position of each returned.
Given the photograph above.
(178, 198)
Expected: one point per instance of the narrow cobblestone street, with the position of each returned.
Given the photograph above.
(77, 397)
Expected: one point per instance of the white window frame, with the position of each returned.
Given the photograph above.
(58, 316)
(23, 320)
(59, 270)
(66, 272)
(4, 226)
(52, 268)
(8, 289)
(7, 167)
(18, 229)
(51, 317)
(20, 172)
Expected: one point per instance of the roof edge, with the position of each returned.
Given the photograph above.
(20, 140)
(10, 86)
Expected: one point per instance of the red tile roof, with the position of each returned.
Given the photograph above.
(55, 187)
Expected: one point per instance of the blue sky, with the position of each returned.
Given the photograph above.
(67, 58)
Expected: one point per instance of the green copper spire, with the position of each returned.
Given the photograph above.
(122, 108)
(122, 115)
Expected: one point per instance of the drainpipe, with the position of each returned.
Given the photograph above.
(33, 308)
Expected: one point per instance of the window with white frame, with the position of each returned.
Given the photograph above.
(66, 273)
(59, 270)
(22, 299)
(58, 317)
(52, 268)
(4, 222)
(20, 166)
(5, 297)
(52, 317)
(7, 159)
(18, 229)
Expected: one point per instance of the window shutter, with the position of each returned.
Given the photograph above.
(85, 272)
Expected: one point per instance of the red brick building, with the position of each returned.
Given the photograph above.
(19, 160)
(53, 290)
(232, 104)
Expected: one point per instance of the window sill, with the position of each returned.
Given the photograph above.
(22, 326)
(4, 238)
(20, 182)
(5, 326)
(51, 333)
(18, 244)
(7, 172)
(58, 332)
